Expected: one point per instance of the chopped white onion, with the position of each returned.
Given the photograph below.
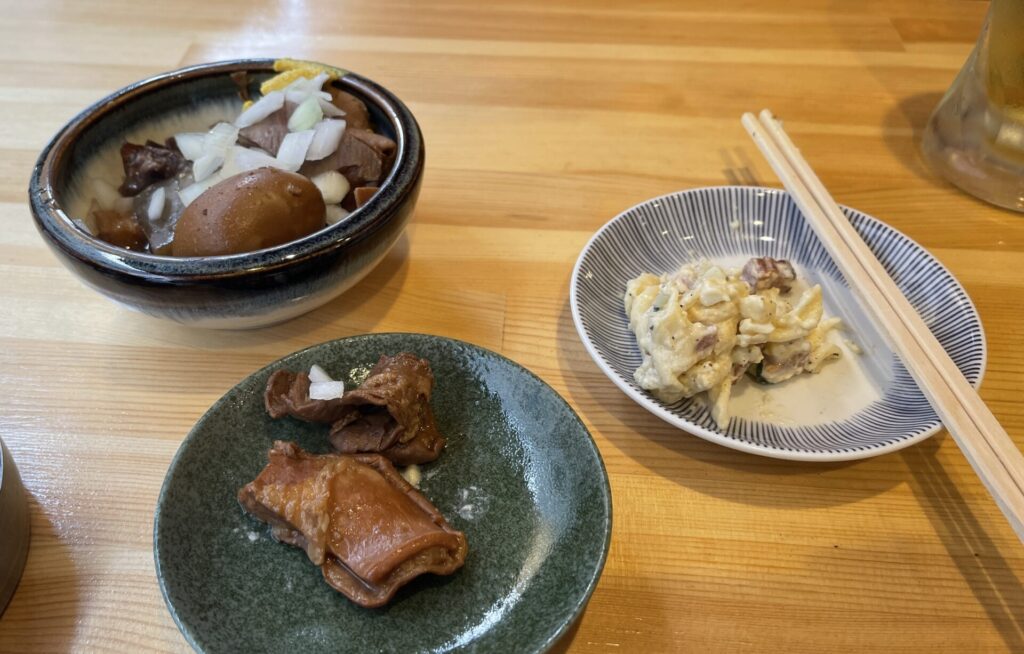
(298, 86)
(305, 116)
(190, 144)
(250, 159)
(260, 109)
(329, 108)
(307, 85)
(207, 165)
(304, 89)
(335, 214)
(193, 191)
(333, 186)
(106, 196)
(156, 204)
(331, 390)
(326, 139)
(293, 149)
(318, 374)
(317, 82)
(220, 138)
(296, 97)
(230, 166)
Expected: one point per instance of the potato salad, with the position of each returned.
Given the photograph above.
(703, 327)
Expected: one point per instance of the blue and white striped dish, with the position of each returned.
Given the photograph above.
(863, 405)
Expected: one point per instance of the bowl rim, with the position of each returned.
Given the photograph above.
(52, 221)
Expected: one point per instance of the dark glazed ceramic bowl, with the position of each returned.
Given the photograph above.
(247, 290)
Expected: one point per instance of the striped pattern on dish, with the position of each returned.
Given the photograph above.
(728, 222)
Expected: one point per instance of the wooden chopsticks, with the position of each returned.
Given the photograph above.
(981, 438)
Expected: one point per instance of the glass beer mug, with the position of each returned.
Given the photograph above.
(975, 137)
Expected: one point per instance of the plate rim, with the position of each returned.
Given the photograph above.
(594, 578)
(716, 437)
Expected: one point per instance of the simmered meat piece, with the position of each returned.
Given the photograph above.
(356, 114)
(269, 132)
(149, 163)
(356, 517)
(390, 413)
(380, 143)
(363, 157)
(706, 343)
(287, 394)
(363, 194)
(764, 272)
(784, 360)
(241, 80)
(120, 229)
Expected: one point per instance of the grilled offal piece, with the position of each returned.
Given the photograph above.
(388, 414)
(367, 529)
(765, 272)
(287, 394)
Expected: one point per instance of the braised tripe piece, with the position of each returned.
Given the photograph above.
(367, 529)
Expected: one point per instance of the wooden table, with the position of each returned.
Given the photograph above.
(543, 119)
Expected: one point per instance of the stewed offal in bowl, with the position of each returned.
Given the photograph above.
(301, 154)
(233, 194)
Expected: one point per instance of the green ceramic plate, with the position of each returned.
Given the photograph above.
(520, 475)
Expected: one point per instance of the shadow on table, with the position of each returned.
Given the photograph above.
(986, 572)
(51, 617)
(357, 310)
(363, 306)
(739, 170)
(703, 466)
(562, 645)
(912, 112)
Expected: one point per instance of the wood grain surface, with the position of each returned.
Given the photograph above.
(543, 119)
